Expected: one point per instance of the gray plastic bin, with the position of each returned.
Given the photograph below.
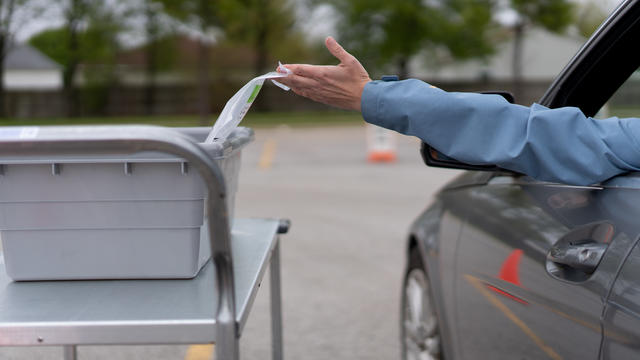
(109, 216)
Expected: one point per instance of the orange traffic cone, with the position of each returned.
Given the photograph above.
(381, 144)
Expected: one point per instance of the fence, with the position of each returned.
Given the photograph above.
(184, 100)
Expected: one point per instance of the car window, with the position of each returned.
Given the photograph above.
(625, 102)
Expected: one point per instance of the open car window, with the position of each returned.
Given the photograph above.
(625, 102)
(606, 65)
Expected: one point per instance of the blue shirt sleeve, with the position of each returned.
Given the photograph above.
(558, 145)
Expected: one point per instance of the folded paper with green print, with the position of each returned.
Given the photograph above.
(237, 107)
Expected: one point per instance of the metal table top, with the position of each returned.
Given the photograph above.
(134, 311)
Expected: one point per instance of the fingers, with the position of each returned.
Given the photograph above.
(298, 83)
(302, 70)
(337, 50)
(302, 86)
(285, 80)
(307, 71)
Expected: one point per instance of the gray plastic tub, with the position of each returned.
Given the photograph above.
(111, 217)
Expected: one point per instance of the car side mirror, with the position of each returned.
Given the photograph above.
(433, 157)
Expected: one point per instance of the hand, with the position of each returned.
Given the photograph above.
(340, 86)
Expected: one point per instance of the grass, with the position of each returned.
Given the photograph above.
(255, 119)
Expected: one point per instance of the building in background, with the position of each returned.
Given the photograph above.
(544, 55)
(33, 83)
(26, 68)
(168, 83)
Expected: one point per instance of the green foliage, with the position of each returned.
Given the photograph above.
(202, 15)
(268, 26)
(589, 16)
(53, 43)
(467, 31)
(293, 48)
(89, 37)
(160, 46)
(166, 56)
(380, 32)
(253, 20)
(553, 15)
(96, 45)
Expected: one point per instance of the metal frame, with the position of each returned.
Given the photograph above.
(276, 301)
(133, 139)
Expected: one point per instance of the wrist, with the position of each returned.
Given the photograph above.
(358, 103)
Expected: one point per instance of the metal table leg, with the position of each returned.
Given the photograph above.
(70, 352)
(276, 305)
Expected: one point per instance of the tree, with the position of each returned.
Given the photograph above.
(89, 37)
(381, 32)
(147, 22)
(268, 27)
(100, 46)
(204, 16)
(264, 24)
(13, 14)
(74, 13)
(152, 11)
(552, 15)
(589, 16)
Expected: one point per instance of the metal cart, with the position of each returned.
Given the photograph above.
(211, 308)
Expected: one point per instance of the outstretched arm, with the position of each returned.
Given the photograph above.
(559, 145)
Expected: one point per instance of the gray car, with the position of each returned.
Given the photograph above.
(502, 266)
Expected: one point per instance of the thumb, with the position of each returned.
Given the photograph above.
(336, 50)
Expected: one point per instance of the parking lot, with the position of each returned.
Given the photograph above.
(343, 259)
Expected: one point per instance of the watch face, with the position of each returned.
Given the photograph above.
(389, 78)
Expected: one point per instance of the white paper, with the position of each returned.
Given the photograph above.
(278, 84)
(239, 104)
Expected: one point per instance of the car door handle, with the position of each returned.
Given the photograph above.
(576, 255)
(584, 257)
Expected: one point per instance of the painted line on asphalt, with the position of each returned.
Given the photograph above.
(479, 285)
(199, 352)
(268, 154)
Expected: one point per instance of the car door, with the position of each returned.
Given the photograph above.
(621, 319)
(535, 261)
(512, 300)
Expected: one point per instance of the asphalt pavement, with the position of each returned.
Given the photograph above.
(343, 260)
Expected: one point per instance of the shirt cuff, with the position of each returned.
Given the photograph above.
(369, 101)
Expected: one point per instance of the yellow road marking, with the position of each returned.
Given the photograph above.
(199, 352)
(268, 154)
(479, 285)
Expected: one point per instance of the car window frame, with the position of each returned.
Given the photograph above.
(600, 67)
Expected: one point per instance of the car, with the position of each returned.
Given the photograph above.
(502, 266)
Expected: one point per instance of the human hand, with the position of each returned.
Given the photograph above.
(340, 86)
